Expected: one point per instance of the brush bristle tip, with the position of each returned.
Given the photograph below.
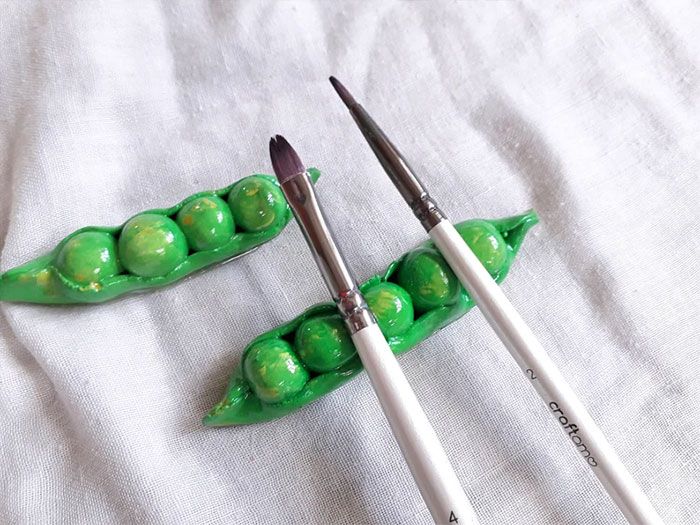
(342, 91)
(285, 161)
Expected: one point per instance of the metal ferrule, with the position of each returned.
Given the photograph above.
(301, 197)
(427, 212)
(354, 310)
(398, 170)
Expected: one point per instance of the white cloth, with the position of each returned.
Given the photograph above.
(587, 112)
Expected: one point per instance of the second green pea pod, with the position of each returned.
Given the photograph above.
(301, 360)
(153, 248)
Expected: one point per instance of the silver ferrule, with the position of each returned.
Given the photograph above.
(399, 171)
(301, 197)
(427, 212)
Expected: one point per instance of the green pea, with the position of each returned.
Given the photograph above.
(274, 370)
(486, 242)
(323, 343)
(257, 203)
(392, 306)
(428, 279)
(207, 223)
(89, 257)
(152, 245)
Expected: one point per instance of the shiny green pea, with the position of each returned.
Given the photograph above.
(428, 279)
(323, 343)
(392, 306)
(152, 245)
(274, 370)
(316, 341)
(257, 204)
(486, 242)
(100, 263)
(89, 257)
(207, 223)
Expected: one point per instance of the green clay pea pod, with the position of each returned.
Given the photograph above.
(207, 223)
(486, 242)
(152, 245)
(257, 203)
(152, 250)
(89, 257)
(426, 276)
(392, 306)
(274, 370)
(242, 403)
(323, 343)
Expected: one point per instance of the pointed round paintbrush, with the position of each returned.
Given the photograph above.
(520, 341)
(419, 444)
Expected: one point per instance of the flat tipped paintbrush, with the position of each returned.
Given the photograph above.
(507, 323)
(419, 444)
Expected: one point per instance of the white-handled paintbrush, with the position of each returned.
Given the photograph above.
(507, 323)
(419, 444)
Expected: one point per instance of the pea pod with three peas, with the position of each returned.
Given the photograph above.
(418, 294)
(154, 248)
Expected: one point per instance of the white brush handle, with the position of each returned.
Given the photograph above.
(438, 484)
(544, 376)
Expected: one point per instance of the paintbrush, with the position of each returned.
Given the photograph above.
(419, 444)
(507, 323)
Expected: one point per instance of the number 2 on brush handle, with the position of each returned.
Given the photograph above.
(570, 427)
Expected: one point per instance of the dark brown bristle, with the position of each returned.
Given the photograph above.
(343, 93)
(285, 160)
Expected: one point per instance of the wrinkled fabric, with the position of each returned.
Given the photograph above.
(587, 112)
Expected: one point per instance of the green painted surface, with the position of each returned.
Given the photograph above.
(49, 280)
(323, 343)
(485, 240)
(274, 370)
(427, 277)
(152, 245)
(241, 404)
(89, 257)
(392, 306)
(257, 203)
(207, 223)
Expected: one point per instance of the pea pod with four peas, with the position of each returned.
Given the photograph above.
(311, 355)
(153, 248)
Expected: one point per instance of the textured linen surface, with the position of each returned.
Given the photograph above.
(587, 112)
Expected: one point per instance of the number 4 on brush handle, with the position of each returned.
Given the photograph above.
(431, 469)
